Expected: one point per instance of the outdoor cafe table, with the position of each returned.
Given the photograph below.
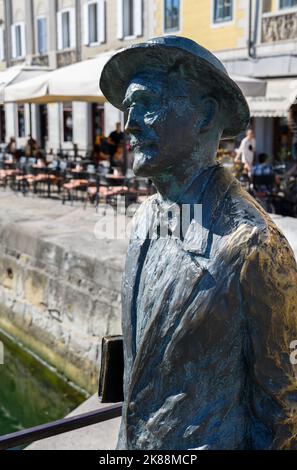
(46, 177)
(116, 180)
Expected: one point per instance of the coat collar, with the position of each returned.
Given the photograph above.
(197, 239)
(202, 200)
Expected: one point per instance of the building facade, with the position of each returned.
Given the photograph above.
(254, 38)
(57, 33)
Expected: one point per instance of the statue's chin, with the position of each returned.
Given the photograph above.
(145, 164)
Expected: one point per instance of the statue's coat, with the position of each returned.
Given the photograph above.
(209, 365)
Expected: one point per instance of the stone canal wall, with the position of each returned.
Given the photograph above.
(59, 286)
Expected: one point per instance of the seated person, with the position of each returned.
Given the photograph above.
(118, 159)
(263, 174)
(41, 161)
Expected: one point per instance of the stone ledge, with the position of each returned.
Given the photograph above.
(60, 288)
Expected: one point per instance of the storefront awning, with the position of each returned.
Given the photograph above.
(17, 75)
(80, 82)
(77, 82)
(280, 95)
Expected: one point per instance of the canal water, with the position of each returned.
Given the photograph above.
(31, 393)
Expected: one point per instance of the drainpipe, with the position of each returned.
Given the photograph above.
(78, 28)
(8, 23)
(251, 43)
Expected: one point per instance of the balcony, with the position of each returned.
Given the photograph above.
(66, 58)
(279, 27)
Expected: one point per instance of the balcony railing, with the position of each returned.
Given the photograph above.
(279, 27)
(40, 59)
(66, 58)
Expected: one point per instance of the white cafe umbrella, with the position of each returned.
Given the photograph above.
(17, 75)
(77, 82)
(80, 82)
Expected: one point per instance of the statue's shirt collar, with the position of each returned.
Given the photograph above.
(192, 220)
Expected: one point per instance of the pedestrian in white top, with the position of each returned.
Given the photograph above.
(246, 151)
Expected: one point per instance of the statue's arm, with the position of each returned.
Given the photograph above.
(269, 297)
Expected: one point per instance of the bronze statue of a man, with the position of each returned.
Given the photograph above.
(209, 311)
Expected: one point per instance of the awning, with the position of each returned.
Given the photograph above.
(17, 75)
(280, 95)
(80, 82)
(250, 86)
(77, 82)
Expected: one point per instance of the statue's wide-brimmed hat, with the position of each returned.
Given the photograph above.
(165, 52)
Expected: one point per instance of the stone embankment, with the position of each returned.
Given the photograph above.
(60, 287)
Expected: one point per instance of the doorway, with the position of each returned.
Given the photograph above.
(2, 124)
(97, 122)
(43, 125)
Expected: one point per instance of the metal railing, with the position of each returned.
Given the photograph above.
(110, 391)
(27, 436)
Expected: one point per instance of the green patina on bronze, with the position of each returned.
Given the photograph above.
(208, 314)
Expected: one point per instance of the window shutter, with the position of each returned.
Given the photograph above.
(138, 20)
(72, 28)
(13, 41)
(101, 20)
(1, 43)
(60, 32)
(120, 18)
(86, 24)
(23, 39)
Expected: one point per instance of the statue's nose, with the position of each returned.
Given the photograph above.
(132, 124)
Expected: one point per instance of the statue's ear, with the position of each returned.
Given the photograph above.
(209, 109)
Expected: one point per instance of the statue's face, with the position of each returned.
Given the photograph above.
(161, 123)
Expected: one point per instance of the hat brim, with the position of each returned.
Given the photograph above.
(123, 66)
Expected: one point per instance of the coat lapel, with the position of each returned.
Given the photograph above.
(134, 262)
(197, 247)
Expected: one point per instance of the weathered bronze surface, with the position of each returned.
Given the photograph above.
(209, 311)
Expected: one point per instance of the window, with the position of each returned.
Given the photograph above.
(21, 121)
(171, 15)
(287, 3)
(266, 6)
(66, 29)
(93, 24)
(130, 18)
(41, 35)
(18, 40)
(223, 10)
(67, 122)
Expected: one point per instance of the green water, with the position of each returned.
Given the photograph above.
(30, 393)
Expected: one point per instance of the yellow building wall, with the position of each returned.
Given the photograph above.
(196, 24)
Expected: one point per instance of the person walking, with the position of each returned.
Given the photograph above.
(246, 151)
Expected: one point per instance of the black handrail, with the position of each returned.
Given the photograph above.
(61, 426)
